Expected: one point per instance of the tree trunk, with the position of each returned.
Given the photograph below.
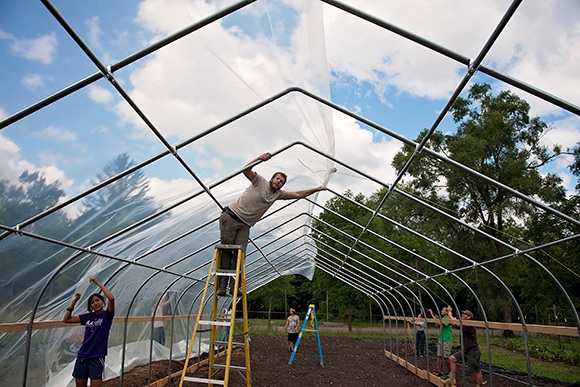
(507, 317)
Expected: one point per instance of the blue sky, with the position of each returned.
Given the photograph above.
(229, 66)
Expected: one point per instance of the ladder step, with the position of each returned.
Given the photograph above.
(225, 273)
(230, 247)
(217, 323)
(204, 380)
(239, 368)
(235, 344)
(231, 295)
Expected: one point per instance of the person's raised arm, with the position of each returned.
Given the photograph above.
(248, 172)
(169, 299)
(304, 193)
(449, 311)
(434, 317)
(108, 294)
(68, 317)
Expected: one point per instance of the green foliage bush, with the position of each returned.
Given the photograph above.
(544, 348)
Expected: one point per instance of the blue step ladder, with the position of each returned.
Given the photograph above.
(310, 318)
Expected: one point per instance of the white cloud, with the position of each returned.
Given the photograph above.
(33, 81)
(100, 95)
(95, 32)
(167, 191)
(100, 129)
(42, 49)
(52, 173)
(13, 165)
(217, 72)
(207, 77)
(356, 147)
(539, 46)
(544, 48)
(58, 134)
(5, 35)
(163, 18)
(566, 132)
(373, 54)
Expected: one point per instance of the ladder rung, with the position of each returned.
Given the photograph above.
(238, 320)
(239, 368)
(235, 344)
(226, 273)
(229, 247)
(216, 323)
(231, 295)
(310, 330)
(204, 380)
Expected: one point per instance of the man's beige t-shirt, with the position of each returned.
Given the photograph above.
(256, 200)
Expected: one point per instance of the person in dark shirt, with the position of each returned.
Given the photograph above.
(90, 362)
(470, 354)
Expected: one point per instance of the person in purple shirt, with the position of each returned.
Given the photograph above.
(90, 362)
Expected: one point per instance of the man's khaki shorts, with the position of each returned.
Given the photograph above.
(447, 347)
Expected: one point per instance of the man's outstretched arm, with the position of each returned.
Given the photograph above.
(249, 173)
(304, 193)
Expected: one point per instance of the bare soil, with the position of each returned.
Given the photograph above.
(348, 362)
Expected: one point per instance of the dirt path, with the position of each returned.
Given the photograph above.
(348, 362)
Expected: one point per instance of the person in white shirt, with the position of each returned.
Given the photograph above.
(157, 310)
(292, 324)
(420, 339)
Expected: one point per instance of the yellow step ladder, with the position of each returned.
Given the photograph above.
(238, 289)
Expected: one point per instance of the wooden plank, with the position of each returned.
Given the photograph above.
(531, 328)
(52, 324)
(423, 374)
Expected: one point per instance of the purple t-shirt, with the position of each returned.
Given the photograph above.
(96, 340)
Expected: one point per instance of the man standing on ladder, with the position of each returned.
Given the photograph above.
(237, 218)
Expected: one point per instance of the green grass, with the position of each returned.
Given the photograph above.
(513, 360)
(553, 357)
(548, 348)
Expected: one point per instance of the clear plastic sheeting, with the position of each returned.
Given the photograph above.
(125, 128)
(133, 358)
(150, 170)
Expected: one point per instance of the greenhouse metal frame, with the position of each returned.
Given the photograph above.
(393, 291)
